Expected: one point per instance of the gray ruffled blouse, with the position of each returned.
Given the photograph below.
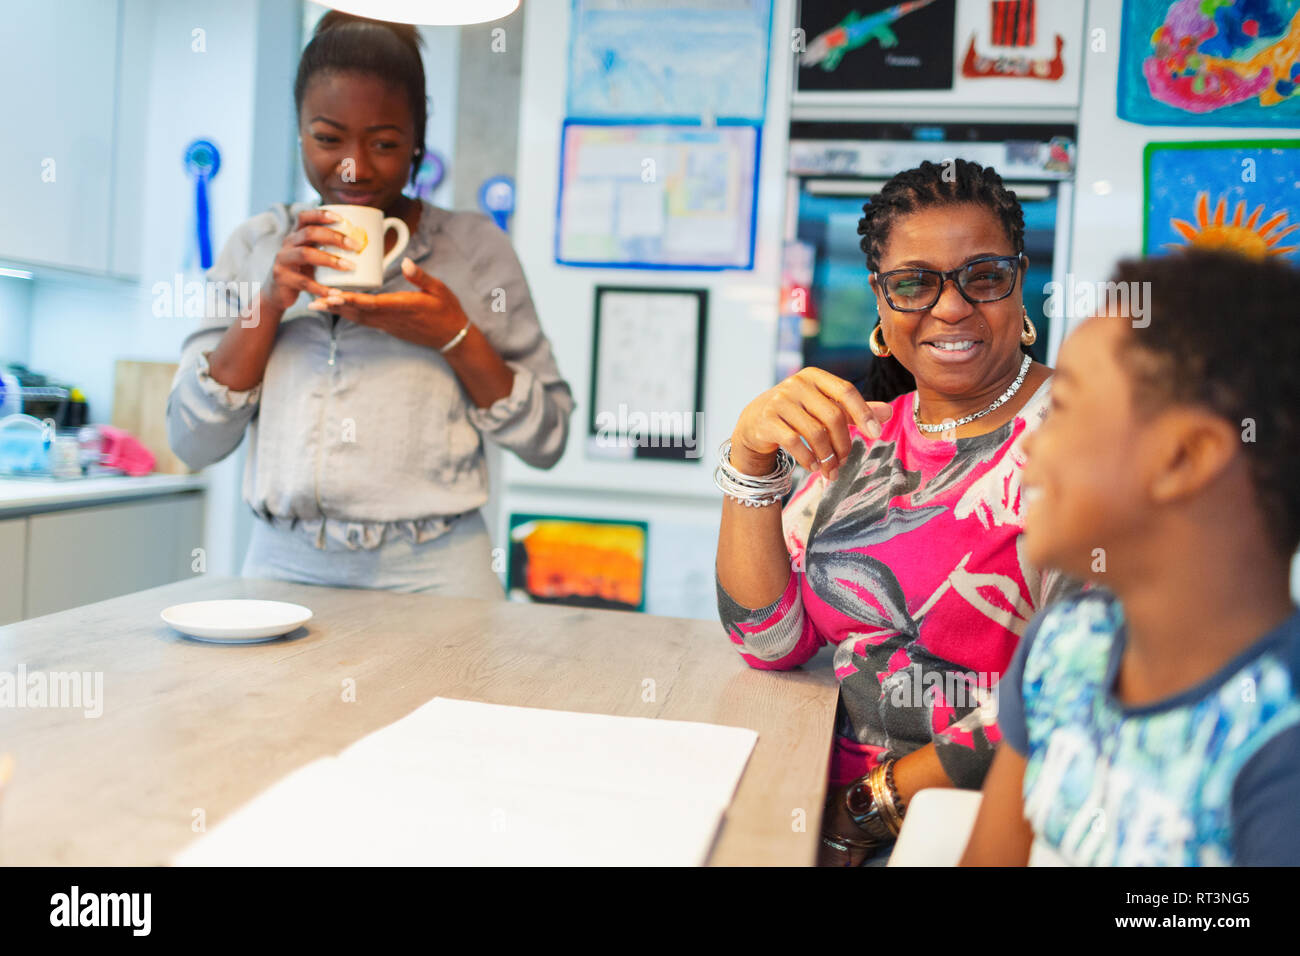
(355, 435)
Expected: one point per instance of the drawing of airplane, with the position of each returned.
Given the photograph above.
(856, 31)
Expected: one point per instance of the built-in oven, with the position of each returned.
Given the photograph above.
(835, 168)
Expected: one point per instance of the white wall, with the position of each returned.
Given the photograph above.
(80, 325)
(15, 324)
(441, 70)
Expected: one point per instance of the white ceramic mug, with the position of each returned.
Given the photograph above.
(368, 225)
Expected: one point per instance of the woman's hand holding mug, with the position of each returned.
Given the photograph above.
(810, 406)
(294, 270)
(429, 315)
(368, 229)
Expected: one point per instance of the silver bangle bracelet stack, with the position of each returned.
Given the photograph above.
(754, 491)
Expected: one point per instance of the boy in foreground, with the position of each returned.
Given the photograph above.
(1155, 719)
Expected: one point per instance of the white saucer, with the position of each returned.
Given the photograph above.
(236, 622)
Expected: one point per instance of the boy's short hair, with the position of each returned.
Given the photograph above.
(1224, 333)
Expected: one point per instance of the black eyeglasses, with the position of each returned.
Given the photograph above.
(987, 279)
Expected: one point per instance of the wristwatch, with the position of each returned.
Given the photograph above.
(873, 804)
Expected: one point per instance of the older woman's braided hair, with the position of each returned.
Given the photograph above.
(927, 186)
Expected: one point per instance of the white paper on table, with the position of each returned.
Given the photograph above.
(465, 783)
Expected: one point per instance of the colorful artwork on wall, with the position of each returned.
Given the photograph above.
(1010, 47)
(860, 45)
(1210, 63)
(1012, 22)
(671, 60)
(1239, 195)
(654, 196)
(589, 562)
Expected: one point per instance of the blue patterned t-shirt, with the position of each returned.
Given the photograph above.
(1208, 777)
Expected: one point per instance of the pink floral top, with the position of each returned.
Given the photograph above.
(911, 564)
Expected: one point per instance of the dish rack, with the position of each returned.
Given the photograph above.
(40, 394)
(32, 448)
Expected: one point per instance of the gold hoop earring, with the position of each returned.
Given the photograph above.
(1030, 335)
(878, 348)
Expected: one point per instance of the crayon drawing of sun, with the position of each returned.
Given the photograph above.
(1246, 236)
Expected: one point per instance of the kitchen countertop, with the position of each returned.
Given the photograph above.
(187, 725)
(34, 495)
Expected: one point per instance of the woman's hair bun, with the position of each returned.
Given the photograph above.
(335, 19)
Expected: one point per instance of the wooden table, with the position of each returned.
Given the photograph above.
(189, 727)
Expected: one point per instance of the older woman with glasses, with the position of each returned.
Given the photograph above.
(902, 547)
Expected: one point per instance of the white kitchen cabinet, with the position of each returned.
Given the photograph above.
(83, 555)
(13, 567)
(58, 68)
(130, 136)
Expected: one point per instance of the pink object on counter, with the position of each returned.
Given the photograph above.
(121, 449)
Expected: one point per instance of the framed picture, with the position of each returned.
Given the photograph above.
(673, 60)
(1020, 40)
(1230, 63)
(1237, 194)
(587, 562)
(657, 196)
(852, 46)
(647, 372)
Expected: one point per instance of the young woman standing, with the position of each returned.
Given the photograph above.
(366, 414)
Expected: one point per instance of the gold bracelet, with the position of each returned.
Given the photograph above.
(880, 796)
(886, 795)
